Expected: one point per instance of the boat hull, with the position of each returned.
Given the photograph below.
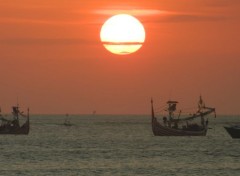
(233, 132)
(160, 130)
(23, 130)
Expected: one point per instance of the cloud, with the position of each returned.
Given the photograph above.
(46, 41)
(176, 17)
(19, 20)
(156, 15)
(137, 12)
(191, 18)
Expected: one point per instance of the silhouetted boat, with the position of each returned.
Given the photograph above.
(171, 125)
(13, 126)
(67, 121)
(233, 131)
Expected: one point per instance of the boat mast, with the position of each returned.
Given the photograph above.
(152, 108)
(201, 104)
(171, 108)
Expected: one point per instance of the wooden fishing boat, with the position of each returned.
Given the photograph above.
(67, 121)
(13, 126)
(181, 126)
(233, 131)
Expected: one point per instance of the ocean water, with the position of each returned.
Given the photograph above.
(118, 145)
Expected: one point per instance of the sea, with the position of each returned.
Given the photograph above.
(117, 145)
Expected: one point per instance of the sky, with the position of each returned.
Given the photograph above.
(52, 59)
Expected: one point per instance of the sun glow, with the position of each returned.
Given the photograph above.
(122, 34)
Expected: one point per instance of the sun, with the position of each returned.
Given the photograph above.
(122, 34)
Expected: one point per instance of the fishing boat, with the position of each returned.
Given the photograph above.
(175, 125)
(14, 126)
(233, 131)
(67, 121)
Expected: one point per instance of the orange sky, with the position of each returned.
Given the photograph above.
(52, 59)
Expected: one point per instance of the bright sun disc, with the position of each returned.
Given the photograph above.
(122, 34)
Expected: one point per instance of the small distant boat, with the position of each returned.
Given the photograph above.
(13, 126)
(67, 121)
(182, 126)
(233, 131)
